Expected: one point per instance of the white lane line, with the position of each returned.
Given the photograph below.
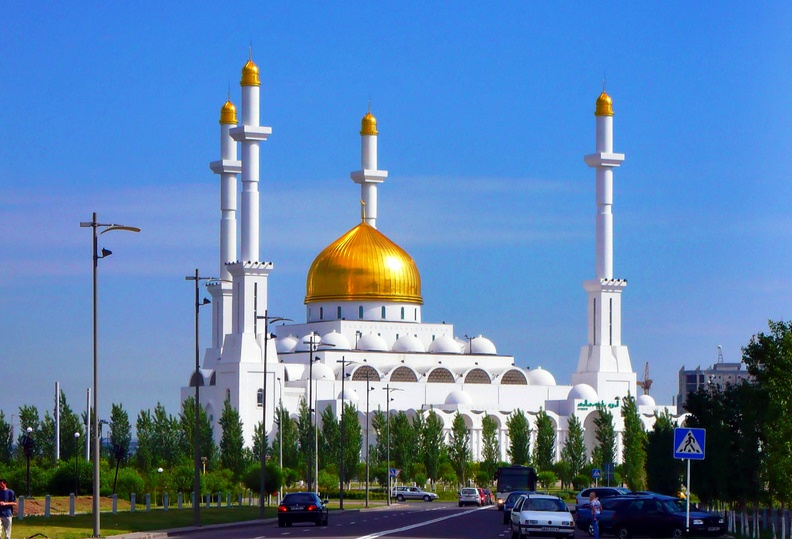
(419, 525)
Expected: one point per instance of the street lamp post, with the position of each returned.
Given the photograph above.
(197, 382)
(343, 363)
(368, 447)
(280, 434)
(95, 225)
(76, 455)
(387, 390)
(267, 319)
(313, 345)
(159, 484)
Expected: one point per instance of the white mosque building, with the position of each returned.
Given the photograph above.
(363, 323)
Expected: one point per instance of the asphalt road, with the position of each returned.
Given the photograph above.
(414, 520)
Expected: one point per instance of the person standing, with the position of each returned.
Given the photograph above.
(7, 505)
(596, 509)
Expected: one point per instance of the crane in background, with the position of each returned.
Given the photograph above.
(646, 383)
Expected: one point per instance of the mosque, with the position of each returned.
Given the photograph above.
(363, 326)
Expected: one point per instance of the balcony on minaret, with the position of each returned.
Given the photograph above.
(603, 159)
(244, 133)
(369, 176)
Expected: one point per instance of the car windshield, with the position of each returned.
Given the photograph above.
(544, 504)
(470, 492)
(672, 506)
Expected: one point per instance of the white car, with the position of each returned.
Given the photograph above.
(541, 514)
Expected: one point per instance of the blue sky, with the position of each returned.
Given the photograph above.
(485, 112)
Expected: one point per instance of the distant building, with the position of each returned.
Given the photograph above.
(716, 378)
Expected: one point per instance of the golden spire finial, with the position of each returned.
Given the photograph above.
(362, 210)
(369, 124)
(604, 103)
(228, 112)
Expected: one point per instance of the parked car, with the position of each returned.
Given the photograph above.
(469, 496)
(509, 503)
(541, 514)
(412, 493)
(484, 496)
(583, 514)
(582, 497)
(490, 497)
(302, 507)
(661, 516)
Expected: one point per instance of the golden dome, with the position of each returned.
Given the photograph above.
(250, 75)
(363, 265)
(228, 113)
(604, 105)
(368, 125)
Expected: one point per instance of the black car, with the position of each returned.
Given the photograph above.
(659, 516)
(302, 507)
(509, 503)
(583, 515)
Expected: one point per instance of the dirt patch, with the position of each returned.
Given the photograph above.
(59, 505)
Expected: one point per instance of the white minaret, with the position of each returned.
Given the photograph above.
(604, 362)
(227, 167)
(368, 177)
(249, 134)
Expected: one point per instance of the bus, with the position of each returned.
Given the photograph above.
(511, 478)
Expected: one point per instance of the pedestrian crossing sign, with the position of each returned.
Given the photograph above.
(689, 443)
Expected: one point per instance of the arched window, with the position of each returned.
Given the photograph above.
(416, 314)
(402, 313)
(360, 312)
(338, 314)
(228, 395)
(321, 313)
(259, 397)
(383, 312)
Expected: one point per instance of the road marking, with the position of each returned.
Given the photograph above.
(419, 525)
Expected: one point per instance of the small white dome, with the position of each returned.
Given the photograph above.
(320, 372)
(540, 377)
(337, 340)
(445, 345)
(480, 345)
(645, 400)
(372, 343)
(459, 397)
(304, 344)
(583, 392)
(408, 343)
(349, 395)
(286, 344)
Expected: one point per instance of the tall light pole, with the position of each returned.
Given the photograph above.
(280, 432)
(343, 363)
(267, 319)
(313, 345)
(197, 382)
(368, 447)
(27, 448)
(387, 390)
(107, 227)
(76, 456)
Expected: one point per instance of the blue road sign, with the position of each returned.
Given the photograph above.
(596, 473)
(689, 443)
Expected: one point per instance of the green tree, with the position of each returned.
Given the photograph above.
(232, 441)
(329, 440)
(120, 432)
(403, 444)
(633, 446)
(208, 448)
(305, 429)
(69, 424)
(490, 451)
(253, 455)
(353, 441)
(459, 453)
(544, 448)
(290, 436)
(29, 418)
(605, 451)
(433, 446)
(519, 438)
(663, 471)
(6, 440)
(379, 424)
(768, 357)
(574, 450)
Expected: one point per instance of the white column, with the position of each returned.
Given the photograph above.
(368, 177)
(227, 167)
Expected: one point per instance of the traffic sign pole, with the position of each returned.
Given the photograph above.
(687, 497)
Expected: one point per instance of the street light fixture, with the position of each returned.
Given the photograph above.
(267, 319)
(197, 382)
(387, 390)
(76, 455)
(280, 432)
(27, 448)
(343, 363)
(368, 447)
(107, 227)
(159, 484)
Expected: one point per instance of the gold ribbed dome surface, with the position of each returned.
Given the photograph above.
(363, 265)
(604, 105)
(228, 113)
(368, 126)
(250, 75)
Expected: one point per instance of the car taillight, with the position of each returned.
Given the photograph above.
(312, 508)
(282, 509)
